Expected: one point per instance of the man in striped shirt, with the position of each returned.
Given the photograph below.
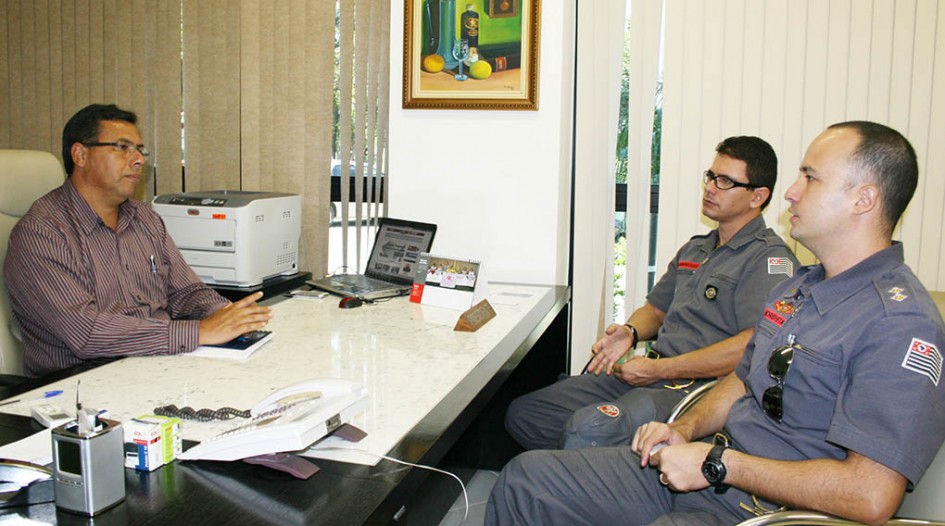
(93, 273)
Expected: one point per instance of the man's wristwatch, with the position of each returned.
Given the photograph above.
(633, 334)
(714, 470)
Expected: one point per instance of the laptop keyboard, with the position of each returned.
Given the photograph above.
(360, 283)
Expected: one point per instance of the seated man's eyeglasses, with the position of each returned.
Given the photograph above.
(778, 366)
(125, 147)
(724, 182)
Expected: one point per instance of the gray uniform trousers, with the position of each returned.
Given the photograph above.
(598, 486)
(565, 415)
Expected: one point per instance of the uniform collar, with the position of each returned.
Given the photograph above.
(86, 218)
(829, 293)
(740, 239)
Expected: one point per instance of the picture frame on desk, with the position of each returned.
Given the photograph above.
(453, 283)
(501, 35)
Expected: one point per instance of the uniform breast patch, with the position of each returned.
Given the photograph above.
(923, 358)
(774, 317)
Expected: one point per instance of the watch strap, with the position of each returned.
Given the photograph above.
(715, 457)
(633, 334)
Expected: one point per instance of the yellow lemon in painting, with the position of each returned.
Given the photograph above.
(433, 63)
(480, 70)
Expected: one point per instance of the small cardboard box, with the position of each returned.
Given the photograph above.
(152, 441)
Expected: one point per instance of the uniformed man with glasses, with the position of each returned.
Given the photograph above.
(93, 274)
(701, 314)
(836, 406)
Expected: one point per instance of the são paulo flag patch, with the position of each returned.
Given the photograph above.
(923, 358)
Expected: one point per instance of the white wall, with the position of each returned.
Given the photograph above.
(497, 183)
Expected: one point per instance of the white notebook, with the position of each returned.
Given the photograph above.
(239, 348)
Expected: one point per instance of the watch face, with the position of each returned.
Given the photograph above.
(712, 472)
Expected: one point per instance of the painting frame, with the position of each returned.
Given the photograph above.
(506, 87)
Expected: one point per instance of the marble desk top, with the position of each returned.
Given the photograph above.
(407, 356)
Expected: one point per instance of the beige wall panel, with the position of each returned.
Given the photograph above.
(282, 62)
(70, 83)
(56, 87)
(165, 84)
(880, 64)
(96, 46)
(250, 94)
(5, 105)
(859, 59)
(192, 102)
(934, 170)
(775, 88)
(42, 76)
(836, 53)
(822, 62)
(18, 81)
(794, 141)
(597, 105)
(317, 137)
(82, 69)
(751, 48)
(926, 205)
(644, 42)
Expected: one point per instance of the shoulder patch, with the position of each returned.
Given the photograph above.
(781, 265)
(923, 358)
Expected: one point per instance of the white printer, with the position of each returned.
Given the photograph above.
(234, 238)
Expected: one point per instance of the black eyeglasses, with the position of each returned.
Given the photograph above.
(125, 147)
(724, 182)
(778, 366)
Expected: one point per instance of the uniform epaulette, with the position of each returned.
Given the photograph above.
(770, 237)
(896, 293)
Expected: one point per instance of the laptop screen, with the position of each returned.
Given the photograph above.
(397, 249)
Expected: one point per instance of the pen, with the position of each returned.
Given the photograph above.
(153, 265)
(47, 394)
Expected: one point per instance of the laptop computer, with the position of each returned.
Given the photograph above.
(391, 266)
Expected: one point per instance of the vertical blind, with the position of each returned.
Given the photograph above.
(57, 56)
(784, 70)
(364, 88)
(239, 92)
(257, 104)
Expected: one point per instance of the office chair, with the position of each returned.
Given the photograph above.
(925, 505)
(25, 176)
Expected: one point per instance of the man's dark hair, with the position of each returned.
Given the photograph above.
(886, 158)
(759, 157)
(83, 127)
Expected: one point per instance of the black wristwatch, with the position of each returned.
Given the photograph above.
(633, 334)
(714, 470)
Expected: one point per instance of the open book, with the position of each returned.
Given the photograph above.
(239, 348)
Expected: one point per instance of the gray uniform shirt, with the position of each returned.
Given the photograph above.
(867, 378)
(710, 294)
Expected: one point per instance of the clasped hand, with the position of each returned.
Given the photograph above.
(234, 319)
(679, 461)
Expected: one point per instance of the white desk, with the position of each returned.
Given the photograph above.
(426, 384)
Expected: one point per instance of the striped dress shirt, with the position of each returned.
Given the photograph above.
(81, 291)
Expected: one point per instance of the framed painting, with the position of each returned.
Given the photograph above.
(471, 54)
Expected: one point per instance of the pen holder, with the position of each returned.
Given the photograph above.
(88, 468)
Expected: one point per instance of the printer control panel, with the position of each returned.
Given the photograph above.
(196, 201)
